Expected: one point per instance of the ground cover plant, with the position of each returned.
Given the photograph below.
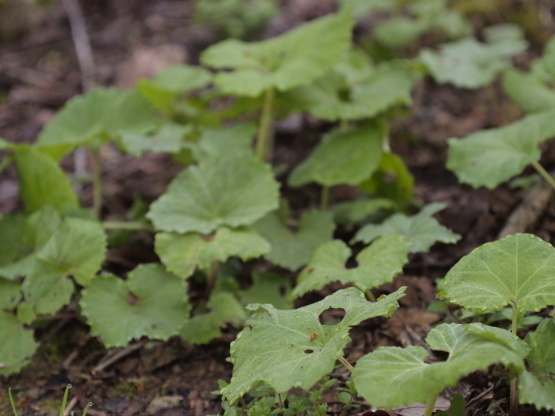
(275, 252)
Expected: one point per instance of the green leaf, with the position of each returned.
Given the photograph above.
(76, 248)
(421, 229)
(224, 308)
(231, 190)
(171, 82)
(368, 93)
(537, 386)
(47, 293)
(17, 344)
(516, 270)
(392, 376)
(12, 244)
(42, 182)
(499, 335)
(292, 348)
(151, 302)
(470, 64)
(183, 253)
(357, 211)
(377, 264)
(217, 142)
(392, 180)
(292, 250)
(362, 8)
(10, 294)
(529, 92)
(490, 157)
(102, 111)
(288, 61)
(268, 288)
(169, 138)
(342, 158)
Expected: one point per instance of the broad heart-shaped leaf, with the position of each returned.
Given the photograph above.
(223, 308)
(490, 157)
(393, 376)
(288, 61)
(342, 158)
(42, 182)
(17, 344)
(101, 111)
(537, 386)
(530, 93)
(377, 264)
(421, 229)
(470, 64)
(516, 270)
(183, 253)
(292, 250)
(151, 302)
(292, 348)
(230, 189)
(357, 211)
(214, 142)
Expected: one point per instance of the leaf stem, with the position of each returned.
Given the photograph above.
(126, 225)
(370, 296)
(430, 405)
(97, 183)
(12, 402)
(543, 173)
(324, 198)
(87, 407)
(265, 125)
(346, 363)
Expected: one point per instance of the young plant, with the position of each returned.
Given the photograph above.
(517, 271)
(63, 405)
(279, 64)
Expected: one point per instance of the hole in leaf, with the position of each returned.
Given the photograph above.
(308, 351)
(332, 316)
(132, 299)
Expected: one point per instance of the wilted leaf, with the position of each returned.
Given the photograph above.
(292, 348)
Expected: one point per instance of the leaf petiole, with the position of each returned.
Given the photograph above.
(543, 173)
(12, 402)
(430, 405)
(263, 138)
(346, 363)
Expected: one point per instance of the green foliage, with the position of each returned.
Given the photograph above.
(42, 182)
(515, 270)
(277, 347)
(17, 344)
(343, 157)
(87, 120)
(392, 376)
(292, 249)
(235, 18)
(537, 386)
(377, 264)
(151, 302)
(183, 253)
(231, 190)
(422, 230)
(490, 157)
(288, 61)
(471, 64)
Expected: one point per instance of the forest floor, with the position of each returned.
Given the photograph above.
(136, 38)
